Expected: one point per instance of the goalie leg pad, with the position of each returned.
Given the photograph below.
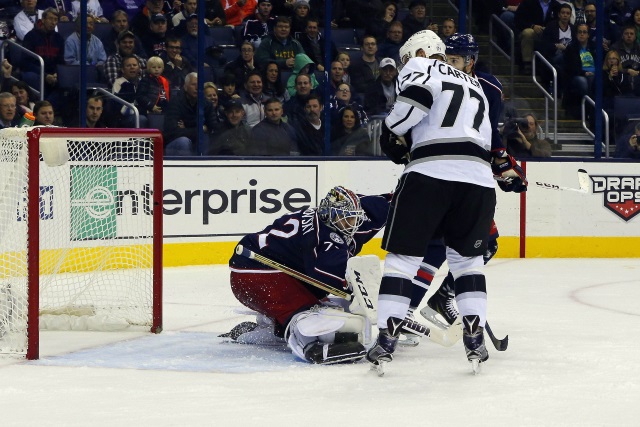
(324, 325)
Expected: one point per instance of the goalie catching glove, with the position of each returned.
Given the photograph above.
(507, 172)
(395, 147)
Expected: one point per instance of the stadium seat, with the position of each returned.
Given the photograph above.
(66, 28)
(69, 76)
(222, 36)
(344, 38)
(155, 121)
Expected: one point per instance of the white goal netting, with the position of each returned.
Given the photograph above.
(95, 257)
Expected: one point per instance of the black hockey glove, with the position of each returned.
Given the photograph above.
(394, 147)
(507, 172)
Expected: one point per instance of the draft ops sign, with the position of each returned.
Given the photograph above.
(93, 202)
(621, 194)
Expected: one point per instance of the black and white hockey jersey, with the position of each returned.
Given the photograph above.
(446, 112)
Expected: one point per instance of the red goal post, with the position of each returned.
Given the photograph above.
(80, 232)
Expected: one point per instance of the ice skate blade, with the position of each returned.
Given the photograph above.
(378, 368)
(409, 341)
(434, 317)
(476, 367)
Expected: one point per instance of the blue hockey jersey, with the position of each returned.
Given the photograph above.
(304, 243)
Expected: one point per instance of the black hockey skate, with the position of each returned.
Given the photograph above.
(239, 329)
(382, 350)
(473, 339)
(325, 354)
(442, 303)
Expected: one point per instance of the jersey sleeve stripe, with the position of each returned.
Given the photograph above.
(417, 96)
(458, 149)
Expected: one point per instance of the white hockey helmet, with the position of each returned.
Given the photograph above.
(341, 210)
(426, 40)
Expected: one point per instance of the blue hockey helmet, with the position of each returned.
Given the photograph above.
(462, 44)
(341, 210)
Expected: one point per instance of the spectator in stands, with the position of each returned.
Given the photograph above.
(635, 21)
(179, 20)
(130, 7)
(153, 94)
(557, 35)
(120, 23)
(279, 46)
(302, 65)
(310, 130)
(180, 125)
(233, 137)
(417, 19)
(364, 70)
(95, 50)
(26, 19)
(348, 137)
(345, 60)
(272, 136)
(620, 12)
(6, 72)
(93, 113)
(390, 48)
(176, 67)
(343, 98)
(530, 20)
(448, 28)
(237, 10)
(140, 22)
(213, 56)
(93, 9)
(126, 88)
(211, 94)
(379, 24)
(63, 7)
(253, 99)
(273, 87)
(43, 112)
(608, 34)
(155, 40)
(282, 7)
(629, 50)
(20, 90)
(299, 17)
(522, 140)
(379, 97)
(243, 65)
(229, 91)
(313, 44)
(578, 15)
(614, 83)
(8, 116)
(579, 69)
(47, 43)
(626, 145)
(294, 107)
(126, 47)
(508, 16)
(336, 77)
(260, 24)
(214, 15)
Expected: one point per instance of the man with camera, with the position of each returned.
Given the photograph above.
(627, 146)
(521, 138)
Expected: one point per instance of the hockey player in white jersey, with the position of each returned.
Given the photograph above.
(446, 190)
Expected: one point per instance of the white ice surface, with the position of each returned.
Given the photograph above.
(572, 360)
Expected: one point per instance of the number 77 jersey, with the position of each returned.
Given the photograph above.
(446, 112)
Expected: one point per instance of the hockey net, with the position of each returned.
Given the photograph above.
(80, 232)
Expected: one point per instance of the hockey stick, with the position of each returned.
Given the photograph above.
(583, 181)
(500, 345)
(240, 250)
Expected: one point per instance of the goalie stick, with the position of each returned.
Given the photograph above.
(240, 250)
(583, 181)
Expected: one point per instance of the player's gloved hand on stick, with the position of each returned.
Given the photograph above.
(510, 176)
(393, 146)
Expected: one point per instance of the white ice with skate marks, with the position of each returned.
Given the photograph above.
(571, 361)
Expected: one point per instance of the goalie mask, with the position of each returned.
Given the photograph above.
(425, 40)
(341, 210)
